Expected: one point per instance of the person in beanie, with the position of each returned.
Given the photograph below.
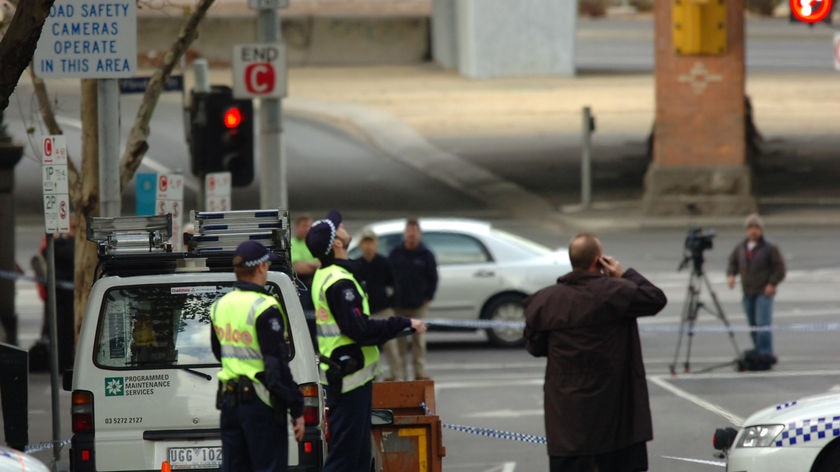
(347, 341)
(256, 386)
(761, 267)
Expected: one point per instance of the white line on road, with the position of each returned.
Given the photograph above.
(697, 461)
(716, 409)
(505, 413)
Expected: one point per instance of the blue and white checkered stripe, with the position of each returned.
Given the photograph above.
(809, 430)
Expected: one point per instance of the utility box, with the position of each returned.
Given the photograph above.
(413, 442)
(699, 27)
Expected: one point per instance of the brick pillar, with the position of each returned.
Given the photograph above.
(699, 158)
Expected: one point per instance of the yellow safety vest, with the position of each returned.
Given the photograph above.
(237, 334)
(330, 336)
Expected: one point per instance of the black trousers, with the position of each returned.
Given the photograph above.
(630, 459)
(349, 423)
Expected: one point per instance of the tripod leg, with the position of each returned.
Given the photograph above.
(689, 310)
(691, 321)
(722, 316)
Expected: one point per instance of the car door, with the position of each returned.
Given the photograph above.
(467, 274)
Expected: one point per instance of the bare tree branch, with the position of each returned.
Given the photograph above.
(137, 137)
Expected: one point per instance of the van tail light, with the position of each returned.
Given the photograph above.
(81, 411)
(311, 404)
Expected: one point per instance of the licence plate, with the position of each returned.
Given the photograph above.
(195, 457)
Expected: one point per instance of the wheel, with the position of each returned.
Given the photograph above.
(829, 459)
(505, 308)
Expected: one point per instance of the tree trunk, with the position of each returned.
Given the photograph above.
(18, 44)
(86, 201)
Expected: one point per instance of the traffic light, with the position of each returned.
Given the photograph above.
(222, 135)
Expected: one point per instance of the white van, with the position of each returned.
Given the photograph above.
(144, 380)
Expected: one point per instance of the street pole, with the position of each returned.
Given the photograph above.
(52, 326)
(588, 126)
(108, 96)
(273, 181)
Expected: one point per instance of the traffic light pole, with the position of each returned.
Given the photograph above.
(273, 182)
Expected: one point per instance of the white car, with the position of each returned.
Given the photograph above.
(12, 460)
(484, 273)
(797, 436)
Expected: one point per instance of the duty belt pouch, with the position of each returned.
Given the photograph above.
(349, 358)
(219, 392)
(247, 394)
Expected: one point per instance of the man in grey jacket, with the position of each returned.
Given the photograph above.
(761, 267)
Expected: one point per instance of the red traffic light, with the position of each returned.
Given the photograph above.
(232, 118)
(810, 11)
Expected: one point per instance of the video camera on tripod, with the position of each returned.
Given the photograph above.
(696, 241)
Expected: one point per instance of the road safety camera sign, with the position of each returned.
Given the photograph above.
(88, 39)
(259, 71)
(54, 179)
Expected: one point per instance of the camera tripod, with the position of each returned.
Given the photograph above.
(691, 309)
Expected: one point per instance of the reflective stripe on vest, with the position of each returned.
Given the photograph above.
(237, 335)
(330, 337)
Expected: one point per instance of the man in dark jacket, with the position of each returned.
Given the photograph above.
(415, 273)
(597, 412)
(762, 268)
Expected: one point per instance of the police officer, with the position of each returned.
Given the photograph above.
(256, 385)
(347, 340)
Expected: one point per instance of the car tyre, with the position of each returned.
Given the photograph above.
(505, 308)
(829, 460)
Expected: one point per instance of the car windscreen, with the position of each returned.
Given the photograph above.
(159, 326)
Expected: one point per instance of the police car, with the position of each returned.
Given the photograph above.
(12, 460)
(144, 380)
(797, 436)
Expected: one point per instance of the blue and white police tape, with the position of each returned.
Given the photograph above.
(675, 328)
(5, 274)
(495, 433)
(487, 432)
(43, 446)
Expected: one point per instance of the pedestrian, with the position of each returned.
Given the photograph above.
(304, 262)
(597, 410)
(347, 341)
(761, 267)
(64, 260)
(416, 276)
(256, 388)
(373, 272)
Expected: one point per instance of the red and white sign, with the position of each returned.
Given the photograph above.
(837, 50)
(259, 71)
(810, 11)
(169, 198)
(217, 188)
(54, 184)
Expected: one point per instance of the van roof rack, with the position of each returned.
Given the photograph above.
(130, 234)
(218, 233)
(140, 245)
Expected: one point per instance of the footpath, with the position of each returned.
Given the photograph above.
(508, 140)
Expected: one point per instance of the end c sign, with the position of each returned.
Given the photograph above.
(259, 70)
(810, 11)
(260, 78)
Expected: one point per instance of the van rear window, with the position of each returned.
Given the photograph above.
(159, 326)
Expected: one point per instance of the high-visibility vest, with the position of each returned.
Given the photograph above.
(234, 318)
(330, 336)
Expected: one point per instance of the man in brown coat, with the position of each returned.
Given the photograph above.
(597, 413)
